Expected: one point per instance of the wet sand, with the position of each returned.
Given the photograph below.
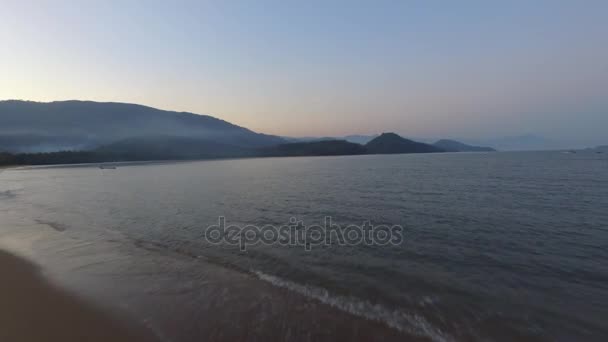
(33, 310)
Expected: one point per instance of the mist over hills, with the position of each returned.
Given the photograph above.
(75, 125)
(86, 131)
(456, 146)
(354, 138)
(173, 147)
(31, 127)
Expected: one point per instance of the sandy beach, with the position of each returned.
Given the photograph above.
(33, 310)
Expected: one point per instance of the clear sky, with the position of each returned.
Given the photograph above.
(422, 68)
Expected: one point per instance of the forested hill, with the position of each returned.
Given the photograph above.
(83, 125)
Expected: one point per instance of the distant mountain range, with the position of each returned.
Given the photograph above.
(27, 126)
(188, 148)
(77, 125)
(526, 142)
(170, 147)
(456, 146)
(84, 131)
(386, 143)
(355, 138)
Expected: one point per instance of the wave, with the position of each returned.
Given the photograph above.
(396, 319)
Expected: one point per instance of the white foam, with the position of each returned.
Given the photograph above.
(396, 319)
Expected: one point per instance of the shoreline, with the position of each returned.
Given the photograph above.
(143, 290)
(35, 310)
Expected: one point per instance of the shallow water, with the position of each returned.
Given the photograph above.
(498, 246)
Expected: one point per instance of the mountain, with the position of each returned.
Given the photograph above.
(388, 143)
(171, 147)
(164, 147)
(27, 126)
(315, 148)
(356, 138)
(457, 146)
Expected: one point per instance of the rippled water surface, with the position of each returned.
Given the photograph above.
(496, 246)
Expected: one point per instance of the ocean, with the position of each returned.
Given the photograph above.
(494, 246)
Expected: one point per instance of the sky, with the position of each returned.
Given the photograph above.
(468, 69)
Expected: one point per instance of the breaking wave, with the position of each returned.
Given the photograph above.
(396, 319)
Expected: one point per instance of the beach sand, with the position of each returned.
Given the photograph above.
(33, 310)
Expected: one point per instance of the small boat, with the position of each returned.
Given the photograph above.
(107, 167)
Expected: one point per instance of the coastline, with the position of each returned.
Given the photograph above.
(34, 310)
(83, 286)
